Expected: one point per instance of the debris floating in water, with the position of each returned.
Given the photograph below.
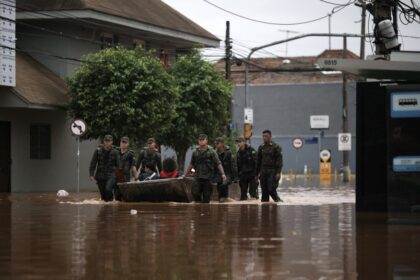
(133, 212)
(62, 193)
(85, 202)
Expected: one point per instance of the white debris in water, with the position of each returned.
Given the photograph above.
(62, 193)
(133, 212)
(314, 197)
(84, 202)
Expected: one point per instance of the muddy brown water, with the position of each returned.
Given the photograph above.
(313, 234)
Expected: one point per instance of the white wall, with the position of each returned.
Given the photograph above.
(59, 172)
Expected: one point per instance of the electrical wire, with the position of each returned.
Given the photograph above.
(71, 18)
(408, 12)
(248, 48)
(278, 69)
(276, 23)
(335, 4)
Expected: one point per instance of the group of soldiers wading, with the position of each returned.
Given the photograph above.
(207, 165)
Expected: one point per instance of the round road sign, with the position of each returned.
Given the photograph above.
(325, 155)
(344, 138)
(78, 127)
(297, 143)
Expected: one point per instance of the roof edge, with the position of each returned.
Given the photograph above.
(118, 20)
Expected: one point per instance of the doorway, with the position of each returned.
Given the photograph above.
(5, 157)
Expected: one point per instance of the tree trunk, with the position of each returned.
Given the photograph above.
(181, 154)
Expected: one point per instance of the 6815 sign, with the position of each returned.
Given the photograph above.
(330, 62)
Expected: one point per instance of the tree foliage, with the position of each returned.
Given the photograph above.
(128, 92)
(204, 103)
(123, 92)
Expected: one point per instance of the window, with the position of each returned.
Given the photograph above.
(40, 141)
(164, 57)
(139, 43)
(108, 40)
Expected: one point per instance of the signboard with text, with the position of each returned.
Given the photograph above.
(320, 122)
(7, 43)
(248, 115)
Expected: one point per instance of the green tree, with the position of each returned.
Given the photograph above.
(203, 106)
(123, 92)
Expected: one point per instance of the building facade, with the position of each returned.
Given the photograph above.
(38, 152)
(284, 96)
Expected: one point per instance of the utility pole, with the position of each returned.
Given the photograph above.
(383, 10)
(329, 31)
(228, 55)
(346, 168)
(287, 37)
(228, 64)
(362, 4)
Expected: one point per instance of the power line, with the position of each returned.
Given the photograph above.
(49, 54)
(248, 48)
(280, 70)
(276, 23)
(335, 4)
(70, 19)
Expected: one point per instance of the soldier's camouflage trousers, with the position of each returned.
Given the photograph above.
(269, 185)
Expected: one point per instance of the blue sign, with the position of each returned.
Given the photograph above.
(311, 140)
(406, 164)
(405, 104)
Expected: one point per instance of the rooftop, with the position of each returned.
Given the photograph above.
(286, 70)
(36, 85)
(150, 12)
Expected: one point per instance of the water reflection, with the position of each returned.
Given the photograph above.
(41, 238)
(386, 250)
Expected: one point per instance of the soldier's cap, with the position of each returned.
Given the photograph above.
(125, 139)
(240, 139)
(151, 140)
(202, 136)
(108, 137)
(219, 140)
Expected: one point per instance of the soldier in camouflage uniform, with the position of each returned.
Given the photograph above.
(229, 166)
(149, 155)
(127, 160)
(205, 161)
(246, 160)
(269, 165)
(105, 161)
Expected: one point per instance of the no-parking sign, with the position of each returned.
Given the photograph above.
(344, 141)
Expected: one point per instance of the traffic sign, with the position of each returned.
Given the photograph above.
(325, 155)
(78, 127)
(248, 115)
(297, 143)
(344, 141)
(325, 165)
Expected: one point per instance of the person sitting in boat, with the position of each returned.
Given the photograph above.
(149, 173)
(169, 169)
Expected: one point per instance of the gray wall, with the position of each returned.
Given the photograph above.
(59, 172)
(79, 41)
(285, 109)
(38, 42)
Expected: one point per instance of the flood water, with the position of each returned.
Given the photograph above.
(313, 234)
